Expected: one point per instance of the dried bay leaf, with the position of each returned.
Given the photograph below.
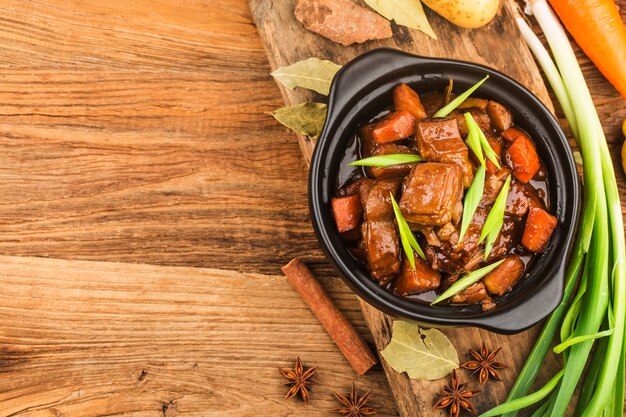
(312, 73)
(305, 119)
(409, 13)
(421, 353)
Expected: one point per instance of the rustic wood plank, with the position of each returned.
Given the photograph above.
(121, 140)
(93, 338)
(491, 45)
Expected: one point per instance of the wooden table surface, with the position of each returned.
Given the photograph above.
(148, 204)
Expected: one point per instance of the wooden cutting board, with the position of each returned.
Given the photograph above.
(498, 45)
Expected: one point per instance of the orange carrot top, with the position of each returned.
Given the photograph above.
(597, 27)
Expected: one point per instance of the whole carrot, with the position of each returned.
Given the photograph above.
(597, 27)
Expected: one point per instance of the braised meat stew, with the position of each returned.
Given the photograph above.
(432, 195)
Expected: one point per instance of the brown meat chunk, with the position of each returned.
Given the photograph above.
(488, 304)
(448, 232)
(508, 237)
(538, 229)
(405, 98)
(342, 21)
(432, 102)
(472, 235)
(493, 185)
(394, 126)
(512, 133)
(474, 103)
(438, 140)
(481, 118)
(473, 294)
(381, 243)
(521, 198)
(501, 280)
(352, 187)
(517, 201)
(394, 171)
(501, 118)
(376, 199)
(415, 281)
(347, 212)
(430, 193)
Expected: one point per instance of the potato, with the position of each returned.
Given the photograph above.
(465, 13)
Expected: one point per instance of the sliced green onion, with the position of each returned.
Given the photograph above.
(466, 281)
(476, 139)
(387, 160)
(578, 339)
(473, 141)
(445, 110)
(495, 218)
(472, 200)
(409, 244)
(489, 152)
(416, 247)
(526, 401)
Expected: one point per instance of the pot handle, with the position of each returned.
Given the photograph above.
(359, 73)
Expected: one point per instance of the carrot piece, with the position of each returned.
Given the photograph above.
(597, 27)
(500, 280)
(496, 145)
(347, 211)
(511, 134)
(522, 157)
(395, 126)
(416, 281)
(538, 229)
(404, 98)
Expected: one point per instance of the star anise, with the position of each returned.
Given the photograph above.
(298, 380)
(354, 406)
(485, 363)
(456, 396)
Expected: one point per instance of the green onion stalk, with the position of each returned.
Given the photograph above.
(598, 300)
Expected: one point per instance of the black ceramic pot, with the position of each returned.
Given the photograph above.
(363, 88)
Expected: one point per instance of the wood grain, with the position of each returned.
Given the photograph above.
(94, 338)
(135, 132)
(287, 42)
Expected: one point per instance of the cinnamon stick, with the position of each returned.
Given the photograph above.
(336, 324)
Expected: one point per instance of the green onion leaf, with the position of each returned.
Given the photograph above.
(489, 152)
(579, 339)
(387, 160)
(466, 281)
(416, 247)
(495, 218)
(472, 199)
(445, 110)
(526, 401)
(473, 141)
(475, 130)
(409, 244)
